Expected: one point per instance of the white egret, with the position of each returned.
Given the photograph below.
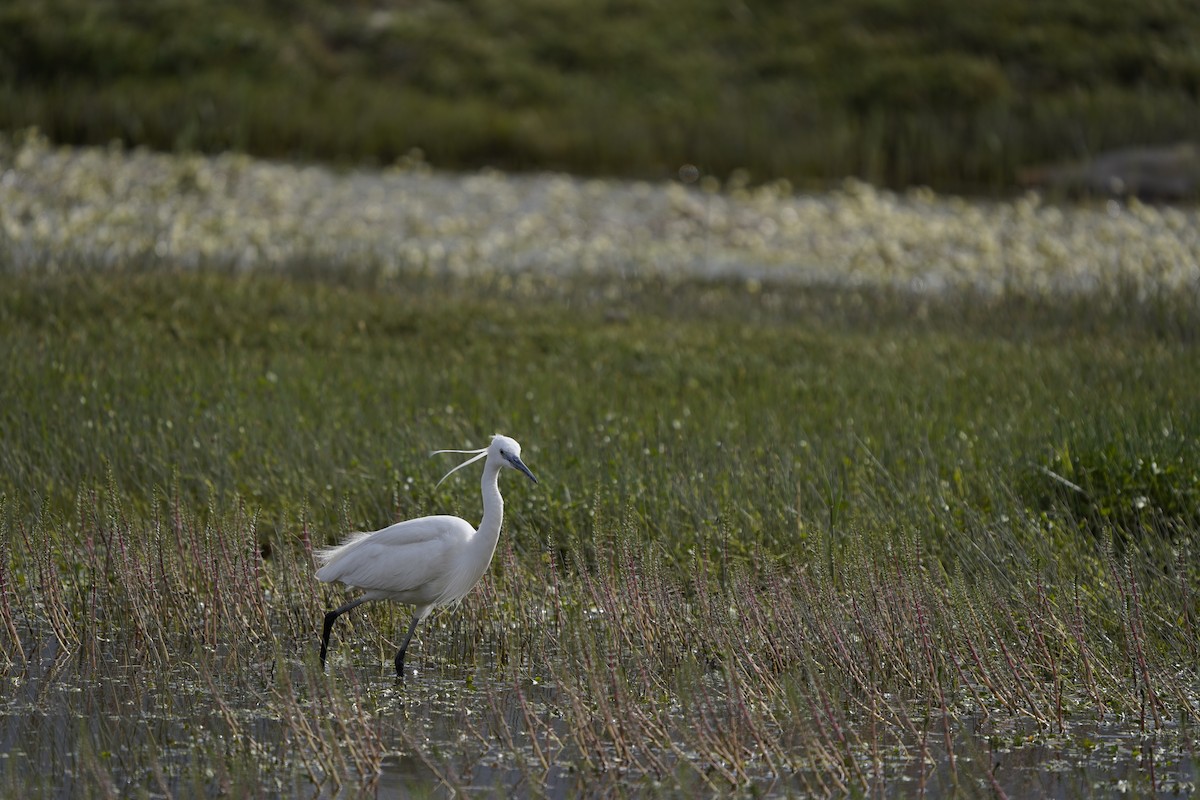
(425, 562)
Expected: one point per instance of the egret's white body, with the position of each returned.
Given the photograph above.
(426, 562)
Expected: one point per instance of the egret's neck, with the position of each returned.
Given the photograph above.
(493, 504)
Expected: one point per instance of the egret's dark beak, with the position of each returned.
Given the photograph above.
(518, 464)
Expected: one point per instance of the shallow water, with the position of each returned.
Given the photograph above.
(70, 727)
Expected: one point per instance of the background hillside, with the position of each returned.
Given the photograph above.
(959, 95)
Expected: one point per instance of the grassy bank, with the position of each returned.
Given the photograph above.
(780, 542)
(954, 95)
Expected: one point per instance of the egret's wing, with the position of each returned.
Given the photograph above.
(406, 531)
(399, 559)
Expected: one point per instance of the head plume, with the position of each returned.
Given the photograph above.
(475, 456)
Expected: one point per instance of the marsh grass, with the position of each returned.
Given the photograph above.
(186, 662)
(810, 544)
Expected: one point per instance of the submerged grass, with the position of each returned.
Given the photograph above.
(793, 540)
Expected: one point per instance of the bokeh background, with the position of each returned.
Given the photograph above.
(962, 95)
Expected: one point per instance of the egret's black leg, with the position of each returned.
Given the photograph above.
(412, 627)
(331, 618)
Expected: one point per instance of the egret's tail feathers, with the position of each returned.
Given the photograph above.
(326, 556)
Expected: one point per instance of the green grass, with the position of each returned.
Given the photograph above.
(318, 394)
(791, 539)
(955, 95)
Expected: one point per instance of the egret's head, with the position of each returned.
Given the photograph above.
(503, 452)
(508, 452)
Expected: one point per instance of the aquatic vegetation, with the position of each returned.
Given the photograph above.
(186, 661)
(796, 532)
